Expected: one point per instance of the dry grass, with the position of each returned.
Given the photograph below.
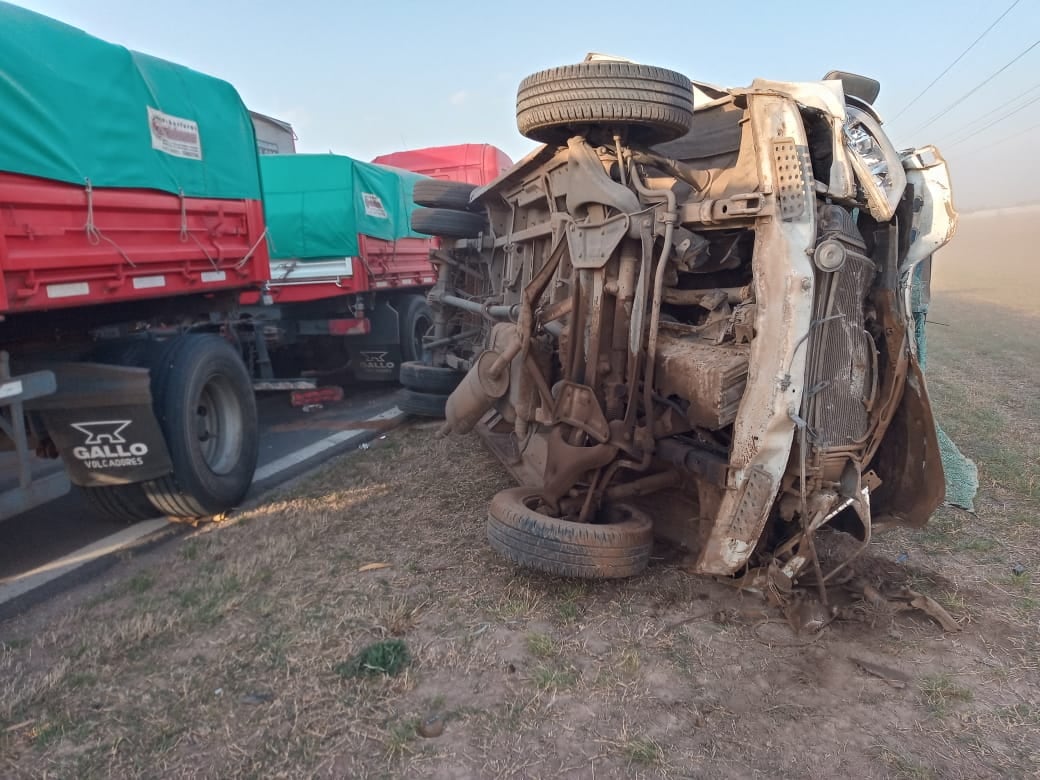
(992, 259)
(224, 656)
(230, 658)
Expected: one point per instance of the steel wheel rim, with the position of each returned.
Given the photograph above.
(422, 327)
(218, 425)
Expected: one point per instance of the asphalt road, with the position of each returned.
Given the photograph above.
(291, 442)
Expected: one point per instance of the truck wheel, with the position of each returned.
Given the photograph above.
(128, 503)
(416, 319)
(618, 547)
(440, 194)
(430, 379)
(447, 223)
(422, 404)
(204, 401)
(654, 104)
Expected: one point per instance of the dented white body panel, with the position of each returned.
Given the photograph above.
(765, 425)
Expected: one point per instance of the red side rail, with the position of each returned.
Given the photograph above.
(382, 266)
(402, 263)
(62, 246)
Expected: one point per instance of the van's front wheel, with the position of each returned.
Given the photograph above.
(617, 545)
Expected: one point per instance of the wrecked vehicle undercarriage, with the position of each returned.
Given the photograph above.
(687, 316)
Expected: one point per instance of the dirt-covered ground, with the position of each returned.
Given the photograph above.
(235, 650)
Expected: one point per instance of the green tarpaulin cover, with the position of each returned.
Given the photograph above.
(317, 204)
(76, 108)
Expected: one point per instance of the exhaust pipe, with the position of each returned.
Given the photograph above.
(482, 386)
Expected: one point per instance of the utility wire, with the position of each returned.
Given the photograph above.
(999, 119)
(986, 116)
(959, 58)
(1007, 138)
(976, 88)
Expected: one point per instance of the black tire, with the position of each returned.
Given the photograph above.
(127, 503)
(415, 320)
(617, 548)
(440, 194)
(422, 404)
(654, 104)
(430, 379)
(447, 223)
(203, 399)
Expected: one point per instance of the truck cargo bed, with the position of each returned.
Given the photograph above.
(64, 245)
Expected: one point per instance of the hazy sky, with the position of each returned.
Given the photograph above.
(367, 78)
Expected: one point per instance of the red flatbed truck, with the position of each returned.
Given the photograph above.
(127, 250)
(130, 222)
(365, 311)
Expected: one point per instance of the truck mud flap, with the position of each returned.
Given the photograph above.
(376, 356)
(376, 362)
(101, 420)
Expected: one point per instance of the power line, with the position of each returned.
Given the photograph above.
(1007, 138)
(959, 58)
(999, 119)
(986, 116)
(976, 88)
(1020, 132)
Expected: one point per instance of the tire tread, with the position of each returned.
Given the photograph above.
(565, 548)
(655, 102)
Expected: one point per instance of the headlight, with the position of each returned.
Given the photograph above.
(862, 143)
(876, 163)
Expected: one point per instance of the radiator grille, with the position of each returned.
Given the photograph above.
(841, 355)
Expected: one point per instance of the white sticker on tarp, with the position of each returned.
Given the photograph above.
(174, 135)
(11, 388)
(213, 276)
(147, 282)
(373, 205)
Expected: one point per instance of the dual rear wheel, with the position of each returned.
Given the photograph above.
(203, 398)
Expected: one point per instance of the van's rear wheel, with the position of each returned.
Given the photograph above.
(422, 404)
(441, 194)
(430, 379)
(447, 223)
(204, 402)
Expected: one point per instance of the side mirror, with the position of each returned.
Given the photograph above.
(862, 87)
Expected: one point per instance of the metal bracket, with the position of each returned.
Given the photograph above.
(591, 245)
(576, 405)
(14, 391)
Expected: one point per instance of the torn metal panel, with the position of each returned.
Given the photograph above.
(764, 429)
(935, 219)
